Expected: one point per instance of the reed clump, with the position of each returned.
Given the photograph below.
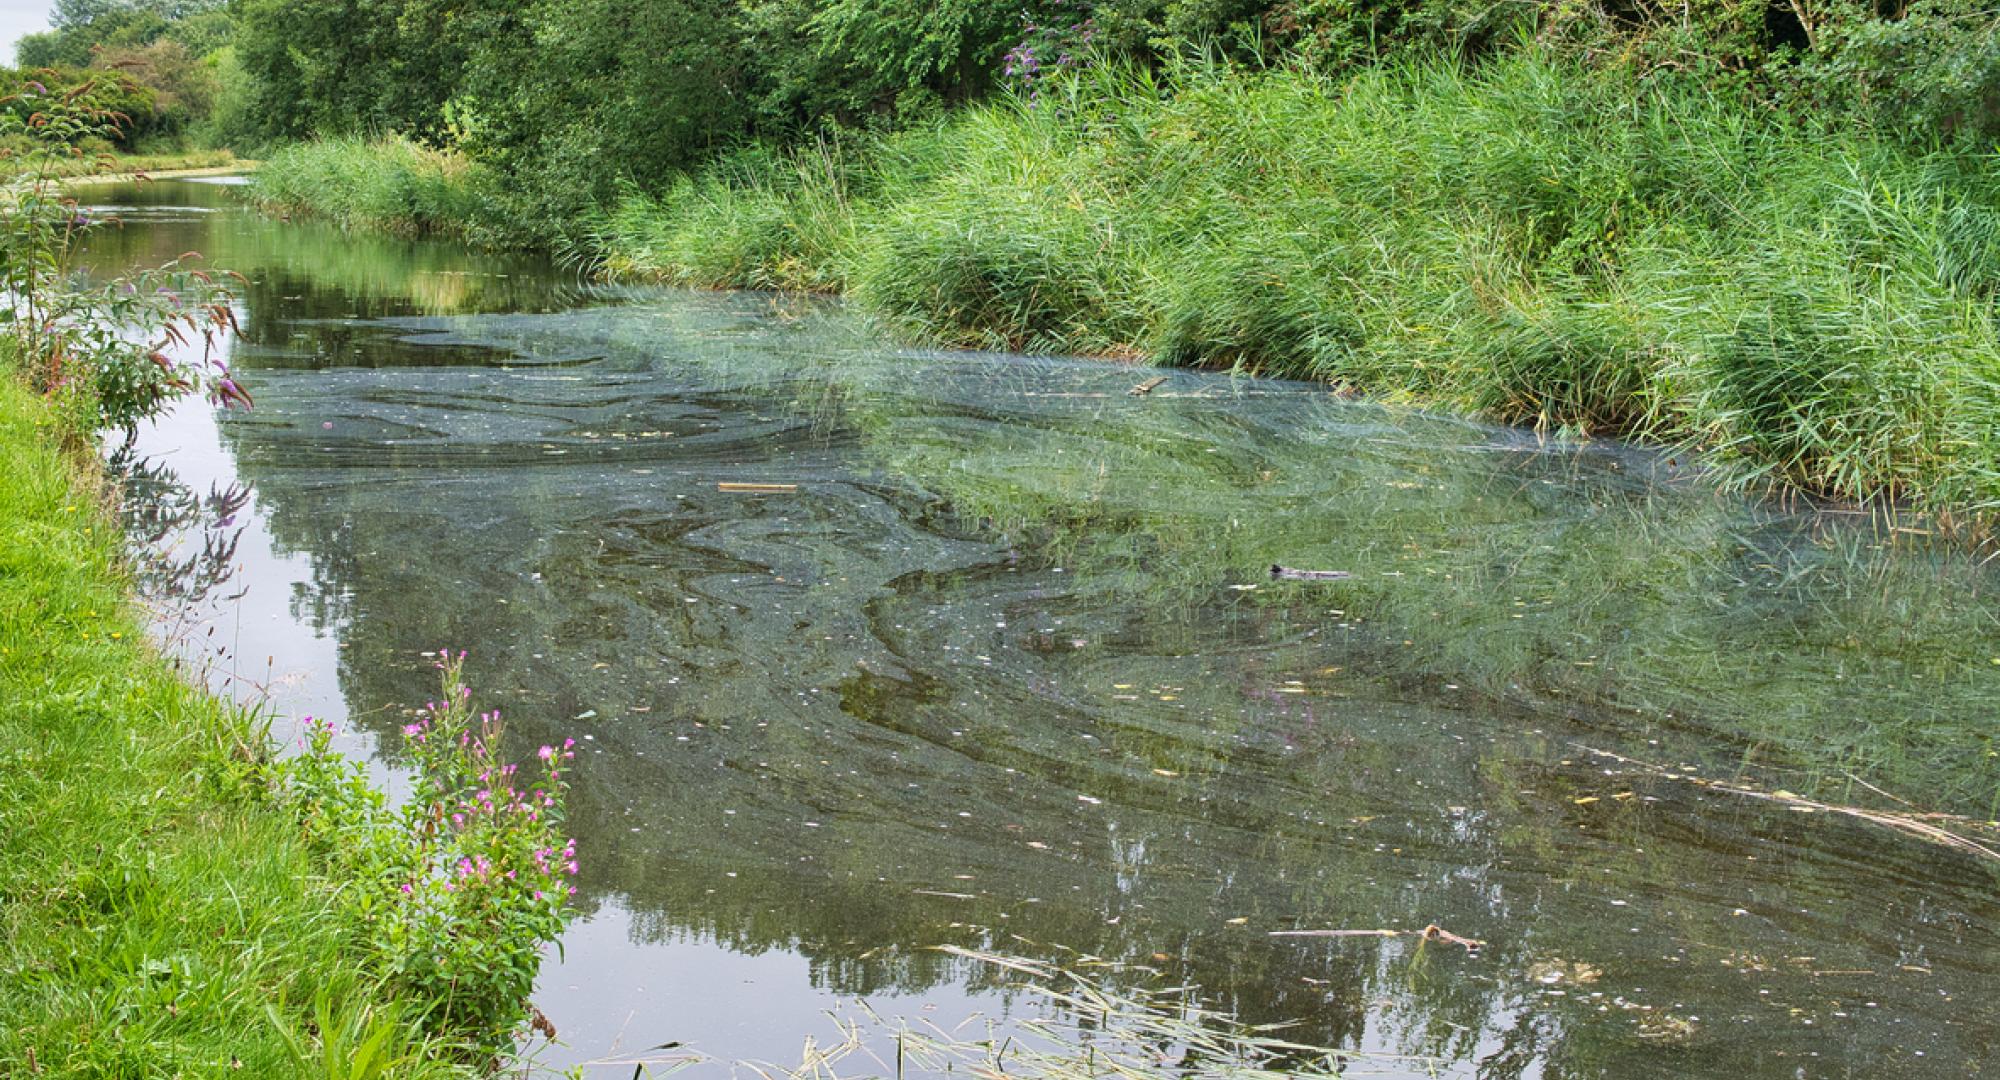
(392, 185)
(1531, 240)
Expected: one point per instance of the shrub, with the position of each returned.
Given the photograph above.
(464, 884)
(113, 352)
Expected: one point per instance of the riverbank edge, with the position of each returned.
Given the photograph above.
(162, 914)
(116, 168)
(1806, 308)
(236, 167)
(393, 186)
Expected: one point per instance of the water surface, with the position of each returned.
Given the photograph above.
(1007, 670)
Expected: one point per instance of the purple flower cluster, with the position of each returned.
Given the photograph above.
(493, 831)
(1045, 51)
(476, 868)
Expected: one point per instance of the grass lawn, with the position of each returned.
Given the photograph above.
(159, 915)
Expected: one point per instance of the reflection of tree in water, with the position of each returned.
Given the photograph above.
(1379, 753)
(308, 289)
(184, 543)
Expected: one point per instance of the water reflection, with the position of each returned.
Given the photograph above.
(1005, 670)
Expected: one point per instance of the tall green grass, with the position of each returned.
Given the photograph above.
(756, 219)
(1530, 241)
(392, 185)
(159, 915)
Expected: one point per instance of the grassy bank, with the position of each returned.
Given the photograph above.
(1531, 242)
(107, 165)
(162, 917)
(391, 185)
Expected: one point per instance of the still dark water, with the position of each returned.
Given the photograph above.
(1007, 671)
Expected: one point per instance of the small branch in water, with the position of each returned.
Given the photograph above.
(1287, 573)
(1433, 932)
(1879, 791)
(1148, 386)
(757, 489)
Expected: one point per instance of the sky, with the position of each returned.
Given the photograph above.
(19, 17)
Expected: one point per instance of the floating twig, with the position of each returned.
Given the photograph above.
(1148, 386)
(1288, 573)
(1433, 932)
(757, 489)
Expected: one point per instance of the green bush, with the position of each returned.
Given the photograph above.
(464, 885)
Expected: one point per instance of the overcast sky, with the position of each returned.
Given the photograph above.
(18, 17)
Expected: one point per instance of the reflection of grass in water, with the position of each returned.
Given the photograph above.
(1546, 576)
(1542, 577)
(1088, 1030)
(1834, 651)
(328, 268)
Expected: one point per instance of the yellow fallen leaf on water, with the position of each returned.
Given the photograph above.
(1781, 793)
(1238, 922)
(1586, 800)
(1121, 686)
(1165, 772)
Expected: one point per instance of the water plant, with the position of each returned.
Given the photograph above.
(460, 887)
(1087, 1028)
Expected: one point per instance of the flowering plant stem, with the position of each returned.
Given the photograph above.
(466, 882)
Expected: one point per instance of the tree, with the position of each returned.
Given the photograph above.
(76, 14)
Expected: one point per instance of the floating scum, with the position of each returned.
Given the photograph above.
(1011, 662)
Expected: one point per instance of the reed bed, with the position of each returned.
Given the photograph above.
(391, 185)
(1529, 241)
